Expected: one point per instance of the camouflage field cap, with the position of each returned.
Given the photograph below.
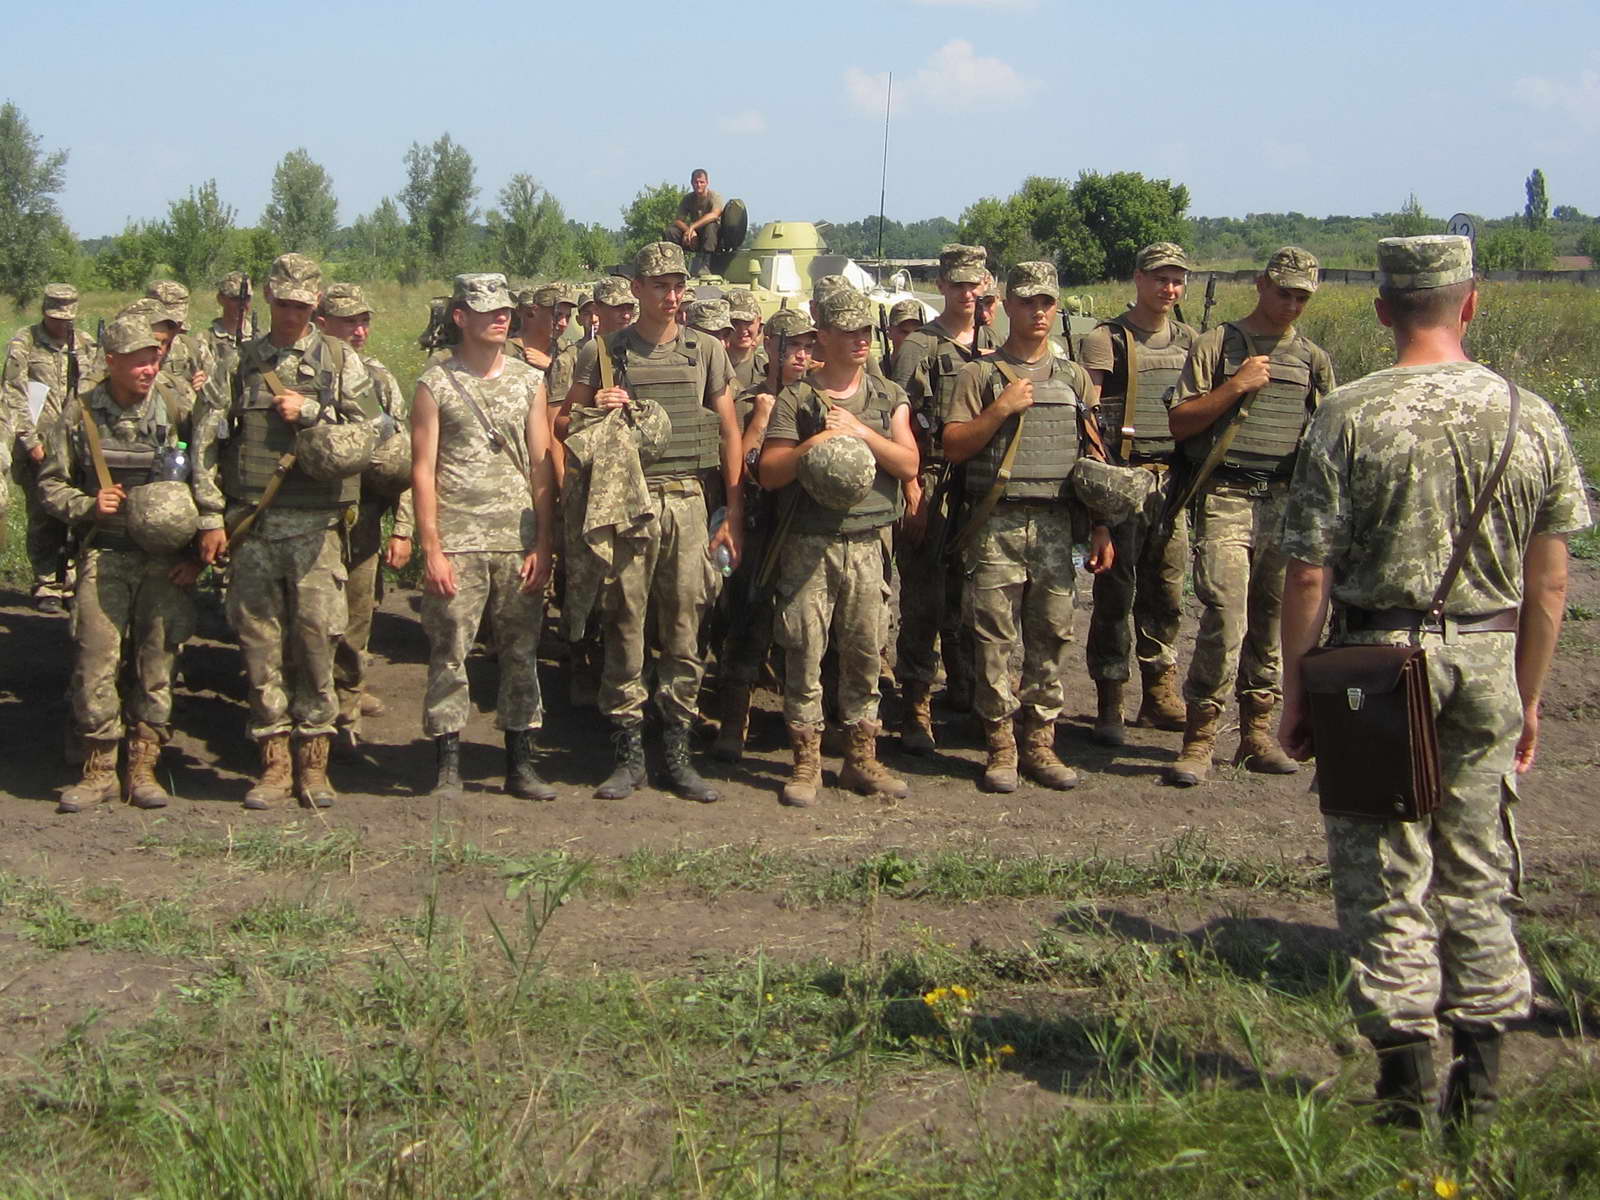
(151, 311)
(328, 452)
(659, 258)
(838, 473)
(845, 309)
(906, 310)
(612, 291)
(295, 277)
(60, 301)
(1161, 254)
(1033, 279)
(712, 316)
(1414, 264)
(128, 332)
(174, 295)
(549, 295)
(963, 264)
(689, 293)
(162, 517)
(825, 285)
(742, 305)
(585, 297)
(231, 285)
(344, 300)
(1293, 267)
(389, 472)
(1111, 494)
(482, 292)
(790, 322)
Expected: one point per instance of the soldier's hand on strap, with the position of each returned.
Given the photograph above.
(840, 420)
(289, 405)
(107, 501)
(438, 576)
(1253, 374)
(1015, 397)
(611, 397)
(213, 544)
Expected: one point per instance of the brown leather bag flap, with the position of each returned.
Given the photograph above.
(1373, 670)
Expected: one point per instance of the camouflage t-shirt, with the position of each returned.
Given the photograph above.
(485, 501)
(972, 394)
(1390, 468)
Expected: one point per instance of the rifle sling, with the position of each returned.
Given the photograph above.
(1219, 448)
(279, 473)
(997, 490)
(1131, 402)
(97, 455)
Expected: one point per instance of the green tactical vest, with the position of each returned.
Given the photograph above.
(1270, 436)
(674, 382)
(880, 506)
(261, 437)
(129, 461)
(945, 360)
(1049, 443)
(1158, 372)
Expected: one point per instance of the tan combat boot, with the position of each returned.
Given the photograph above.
(1199, 743)
(1162, 705)
(735, 728)
(276, 784)
(801, 790)
(862, 771)
(1040, 762)
(144, 789)
(99, 782)
(1000, 770)
(916, 725)
(370, 705)
(1258, 745)
(311, 771)
(1108, 727)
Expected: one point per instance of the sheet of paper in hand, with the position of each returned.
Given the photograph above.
(37, 394)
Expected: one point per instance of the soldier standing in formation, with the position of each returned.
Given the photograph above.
(842, 439)
(1243, 399)
(1134, 361)
(1019, 412)
(286, 581)
(930, 582)
(688, 375)
(221, 337)
(1390, 469)
(711, 317)
(485, 508)
(746, 351)
(546, 313)
(188, 357)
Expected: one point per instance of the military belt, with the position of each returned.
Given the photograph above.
(675, 485)
(1414, 620)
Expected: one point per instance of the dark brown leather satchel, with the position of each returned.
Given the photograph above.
(1372, 717)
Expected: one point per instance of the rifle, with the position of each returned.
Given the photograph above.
(1066, 335)
(1211, 300)
(883, 336)
(1189, 480)
(67, 552)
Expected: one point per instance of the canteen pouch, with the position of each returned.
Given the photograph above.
(1373, 731)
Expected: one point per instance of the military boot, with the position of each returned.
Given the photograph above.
(99, 782)
(1258, 744)
(371, 705)
(1161, 706)
(447, 766)
(735, 728)
(276, 784)
(311, 771)
(916, 723)
(144, 789)
(862, 771)
(522, 781)
(801, 790)
(1472, 1088)
(1405, 1084)
(1108, 727)
(681, 775)
(1000, 770)
(1199, 744)
(627, 745)
(1040, 762)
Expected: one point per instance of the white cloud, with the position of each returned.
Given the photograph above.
(1576, 98)
(748, 122)
(954, 77)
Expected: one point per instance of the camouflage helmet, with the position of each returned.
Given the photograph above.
(838, 473)
(327, 451)
(1111, 494)
(162, 517)
(389, 472)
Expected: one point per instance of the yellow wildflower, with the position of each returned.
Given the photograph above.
(1445, 1189)
(1007, 1050)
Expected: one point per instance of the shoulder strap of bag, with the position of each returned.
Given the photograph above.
(1463, 543)
(1130, 404)
(91, 435)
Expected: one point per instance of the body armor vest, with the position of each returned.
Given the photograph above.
(1270, 436)
(1156, 372)
(261, 437)
(129, 460)
(945, 361)
(880, 506)
(1049, 445)
(674, 383)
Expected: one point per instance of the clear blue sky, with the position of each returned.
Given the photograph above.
(1321, 108)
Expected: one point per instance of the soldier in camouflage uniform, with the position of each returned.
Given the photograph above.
(345, 314)
(1266, 368)
(221, 337)
(1147, 346)
(711, 317)
(833, 568)
(486, 522)
(129, 599)
(687, 373)
(189, 357)
(39, 354)
(1024, 404)
(615, 305)
(1390, 469)
(930, 582)
(905, 318)
(546, 313)
(746, 350)
(286, 578)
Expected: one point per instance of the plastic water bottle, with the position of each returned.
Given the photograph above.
(721, 556)
(173, 465)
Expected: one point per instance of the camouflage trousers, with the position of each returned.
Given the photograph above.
(1426, 902)
(485, 580)
(1020, 586)
(658, 585)
(1238, 579)
(1146, 582)
(126, 601)
(362, 592)
(930, 608)
(749, 632)
(286, 603)
(838, 584)
(46, 537)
